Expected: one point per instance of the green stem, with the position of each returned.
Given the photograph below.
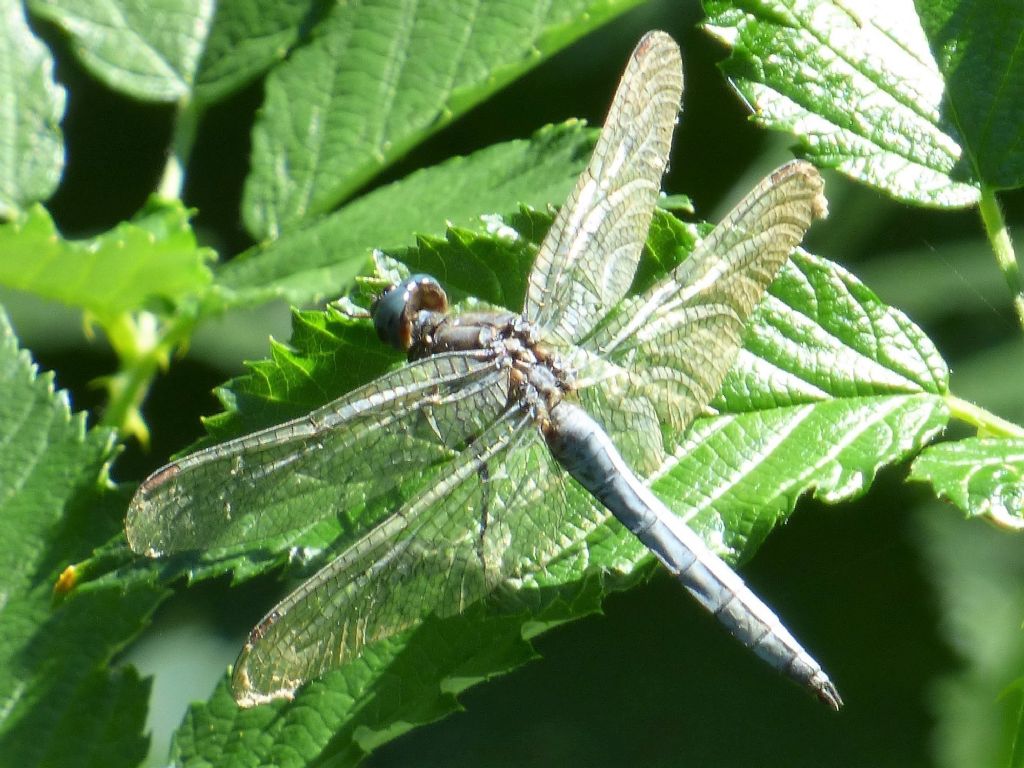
(173, 179)
(143, 346)
(1002, 246)
(986, 422)
(143, 354)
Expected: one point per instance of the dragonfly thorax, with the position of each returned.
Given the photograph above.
(413, 316)
(538, 377)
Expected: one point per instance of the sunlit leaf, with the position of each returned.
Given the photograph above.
(154, 256)
(982, 476)
(856, 83)
(145, 49)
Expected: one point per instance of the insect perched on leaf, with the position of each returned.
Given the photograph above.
(508, 436)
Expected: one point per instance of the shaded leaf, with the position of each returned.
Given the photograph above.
(463, 257)
(331, 721)
(979, 46)
(858, 86)
(982, 476)
(320, 259)
(246, 38)
(376, 78)
(32, 105)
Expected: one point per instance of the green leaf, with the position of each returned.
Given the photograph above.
(979, 46)
(377, 78)
(406, 682)
(328, 353)
(32, 105)
(247, 37)
(154, 256)
(832, 385)
(320, 259)
(858, 86)
(145, 49)
(982, 476)
(55, 675)
(409, 680)
(463, 257)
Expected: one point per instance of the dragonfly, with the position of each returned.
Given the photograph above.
(508, 437)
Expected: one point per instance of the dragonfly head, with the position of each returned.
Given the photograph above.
(395, 310)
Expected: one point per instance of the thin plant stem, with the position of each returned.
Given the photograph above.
(1002, 246)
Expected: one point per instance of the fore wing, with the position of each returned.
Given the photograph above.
(364, 450)
(674, 344)
(586, 263)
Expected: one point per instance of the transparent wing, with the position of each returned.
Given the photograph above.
(481, 524)
(674, 344)
(586, 263)
(366, 449)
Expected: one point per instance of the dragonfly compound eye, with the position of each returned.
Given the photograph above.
(394, 312)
